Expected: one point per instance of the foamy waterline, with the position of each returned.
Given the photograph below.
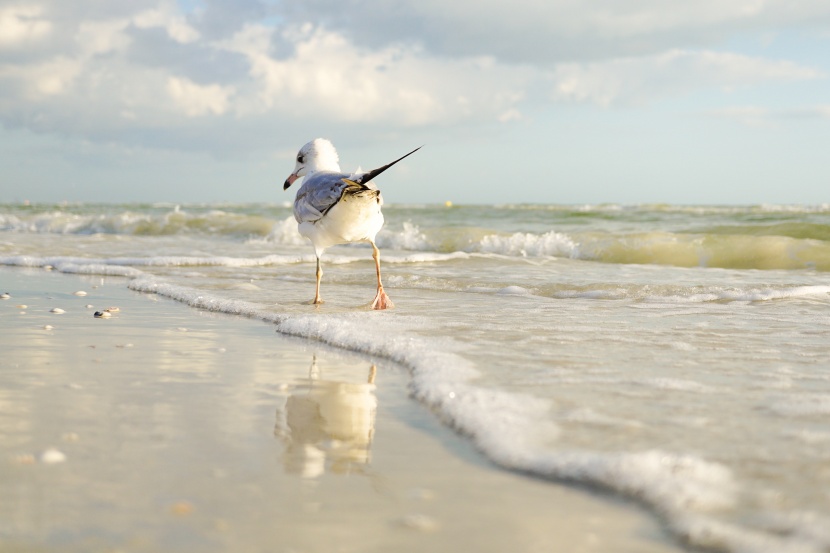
(684, 490)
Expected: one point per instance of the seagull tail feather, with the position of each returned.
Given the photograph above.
(366, 177)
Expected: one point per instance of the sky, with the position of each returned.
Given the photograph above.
(527, 101)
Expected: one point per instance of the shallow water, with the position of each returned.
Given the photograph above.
(675, 355)
(165, 428)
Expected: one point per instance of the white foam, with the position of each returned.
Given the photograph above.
(528, 244)
(514, 291)
(106, 265)
(749, 294)
(802, 405)
(224, 261)
(409, 238)
(675, 384)
(285, 232)
(171, 222)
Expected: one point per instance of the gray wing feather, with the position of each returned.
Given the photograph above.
(317, 195)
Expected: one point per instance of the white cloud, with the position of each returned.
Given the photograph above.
(554, 31)
(40, 80)
(330, 78)
(196, 100)
(22, 24)
(100, 37)
(176, 26)
(636, 81)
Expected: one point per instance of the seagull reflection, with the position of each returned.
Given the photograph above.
(328, 423)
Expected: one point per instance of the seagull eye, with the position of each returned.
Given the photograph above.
(300, 158)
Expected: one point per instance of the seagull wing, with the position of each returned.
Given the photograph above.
(319, 193)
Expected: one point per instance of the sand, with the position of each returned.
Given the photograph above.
(162, 428)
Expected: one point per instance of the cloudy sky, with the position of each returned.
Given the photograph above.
(554, 101)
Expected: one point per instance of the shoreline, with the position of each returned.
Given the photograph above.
(183, 429)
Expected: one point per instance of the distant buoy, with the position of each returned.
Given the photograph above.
(448, 203)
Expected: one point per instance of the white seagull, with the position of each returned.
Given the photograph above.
(333, 207)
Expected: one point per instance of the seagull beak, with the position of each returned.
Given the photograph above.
(289, 181)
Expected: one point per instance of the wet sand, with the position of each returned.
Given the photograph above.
(163, 428)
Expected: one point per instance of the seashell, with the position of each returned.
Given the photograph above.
(52, 456)
(102, 315)
(57, 311)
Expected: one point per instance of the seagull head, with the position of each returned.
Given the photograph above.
(317, 155)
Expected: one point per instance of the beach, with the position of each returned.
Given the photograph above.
(669, 361)
(168, 428)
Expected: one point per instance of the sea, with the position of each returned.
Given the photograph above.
(677, 356)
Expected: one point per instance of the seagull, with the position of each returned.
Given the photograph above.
(333, 207)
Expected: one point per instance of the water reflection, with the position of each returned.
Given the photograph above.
(328, 424)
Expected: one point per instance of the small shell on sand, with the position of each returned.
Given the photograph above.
(419, 522)
(80, 293)
(47, 267)
(422, 494)
(182, 329)
(181, 508)
(102, 315)
(52, 456)
(57, 311)
(5, 296)
(48, 327)
(113, 309)
(89, 306)
(22, 306)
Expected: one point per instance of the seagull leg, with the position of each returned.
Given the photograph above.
(317, 299)
(382, 301)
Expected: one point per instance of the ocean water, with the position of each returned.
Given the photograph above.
(678, 356)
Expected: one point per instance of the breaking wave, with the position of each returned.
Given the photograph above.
(761, 237)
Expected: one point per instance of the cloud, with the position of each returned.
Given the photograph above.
(174, 24)
(20, 25)
(553, 31)
(330, 78)
(222, 74)
(633, 81)
(136, 76)
(196, 100)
